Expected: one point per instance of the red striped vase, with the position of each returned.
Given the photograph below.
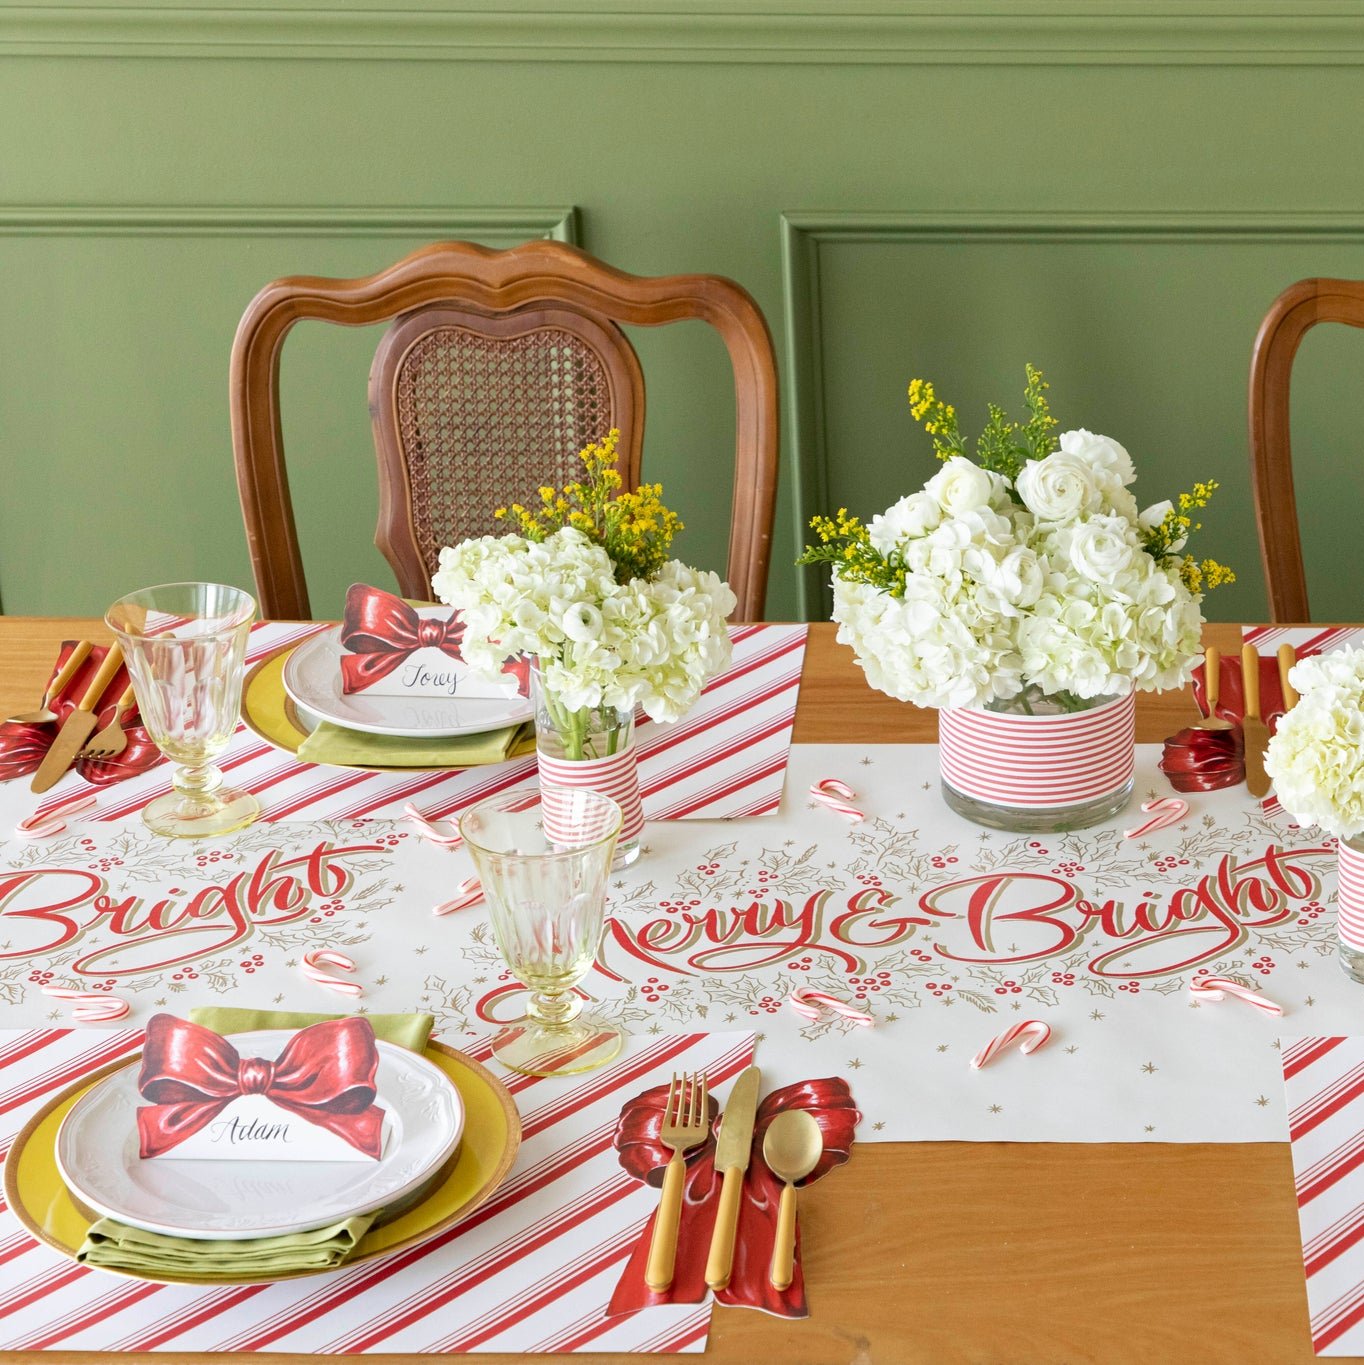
(1350, 906)
(1039, 773)
(591, 749)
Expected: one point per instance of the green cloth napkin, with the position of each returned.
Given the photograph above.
(337, 746)
(115, 1246)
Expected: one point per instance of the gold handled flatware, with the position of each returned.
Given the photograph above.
(1252, 723)
(111, 741)
(1212, 691)
(686, 1121)
(732, 1149)
(1288, 656)
(792, 1148)
(44, 714)
(68, 744)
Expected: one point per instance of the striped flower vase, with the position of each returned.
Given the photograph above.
(1350, 907)
(1041, 771)
(592, 748)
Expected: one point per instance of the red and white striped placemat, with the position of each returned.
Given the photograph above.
(1305, 639)
(1324, 1086)
(531, 1271)
(724, 760)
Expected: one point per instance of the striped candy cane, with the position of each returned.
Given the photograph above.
(810, 1004)
(837, 795)
(1033, 1034)
(1164, 810)
(429, 831)
(53, 819)
(89, 1008)
(314, 962)
(468, 892)
(1221, 987)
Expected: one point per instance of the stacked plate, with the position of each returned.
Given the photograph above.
(290, 693)
(451, 1136)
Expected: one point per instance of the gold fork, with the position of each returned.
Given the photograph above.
(686, 1121)
(111, 741)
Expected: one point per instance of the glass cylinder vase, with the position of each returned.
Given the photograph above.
(588, 748)
(1350, 906)
(1038, 764)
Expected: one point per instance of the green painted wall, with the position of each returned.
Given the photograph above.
(922, 188)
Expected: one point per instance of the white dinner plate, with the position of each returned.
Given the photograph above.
(312, 678)
(97, 1154)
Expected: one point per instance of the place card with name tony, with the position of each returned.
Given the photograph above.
(315, 1100)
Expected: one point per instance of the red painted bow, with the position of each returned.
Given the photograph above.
(380, 631)
(641, 1153)
(324, 1075)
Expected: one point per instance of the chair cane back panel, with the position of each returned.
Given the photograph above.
(473, 412)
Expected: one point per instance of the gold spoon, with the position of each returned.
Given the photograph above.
(45, 713)
(1212, 691)
(792, 1148)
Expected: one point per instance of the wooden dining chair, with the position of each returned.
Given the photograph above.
(1300, 307)
(499, 367)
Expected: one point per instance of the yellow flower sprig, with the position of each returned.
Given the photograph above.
(1175, 528)
(1003, 446)
(634, 528)
(845, 542)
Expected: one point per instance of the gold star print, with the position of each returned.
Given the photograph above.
(876, 1127)
(855, 1064)
(159, 1003)
(419, 951)
(1016, 1005)
(1074, 1047)
(899, 815)
(362, 1009)
(730, 1018)
(892, 1018)
(942, 1047)
(865, 762)
(1150, 1068)
(292, 962)
(54, 1014)
(1311, 1000)
(928, 786)
(1262, 1101)
(996, 1109)
(1096, 1015)
(381, 981)
(1274, 1043)
(1303, 965)
(758, 1037)
(1150, 1128)
(279, 999)
(654, 1028)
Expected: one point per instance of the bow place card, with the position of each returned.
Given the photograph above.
(392, 649)
(314, 1101)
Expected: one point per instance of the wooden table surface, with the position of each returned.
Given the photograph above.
(1013, 1253)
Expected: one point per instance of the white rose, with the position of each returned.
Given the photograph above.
(1017, 578)
(1057, 488)
(960, 486)
(914, 515)
(1109, 463)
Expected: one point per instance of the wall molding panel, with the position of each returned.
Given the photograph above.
(803, 234)
(881, 32)
(492, 226)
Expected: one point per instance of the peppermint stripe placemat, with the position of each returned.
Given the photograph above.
(1324, 1087)
(532, 1270)
(724, 760)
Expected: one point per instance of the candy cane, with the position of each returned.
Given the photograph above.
(90, 1009)
(313, 963)
(53, 819)
(1164, 810)
(428, 831)
(1220, 987)
(467, 893)
(810, 1004)
(829, 791)
(1033, 1032)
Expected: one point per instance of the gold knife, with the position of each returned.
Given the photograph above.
(79, 725)
(731, 1157)
(1252, 725)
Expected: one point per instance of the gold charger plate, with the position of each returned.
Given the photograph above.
(492, 1135)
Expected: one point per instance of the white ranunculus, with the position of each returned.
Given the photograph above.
(1057, 488)
(582, 622)
(1109, 463)
(1154, 515)
(961, 486)
(1102, 551)
(914, 515)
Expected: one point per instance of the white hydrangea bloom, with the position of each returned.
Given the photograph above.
(599, 642)
(1316, 756)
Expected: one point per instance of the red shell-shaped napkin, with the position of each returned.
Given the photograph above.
(23, 747)
(641, 1153)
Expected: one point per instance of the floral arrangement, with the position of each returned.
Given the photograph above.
(1316, 756)
(1024, 574)
(587, 589)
